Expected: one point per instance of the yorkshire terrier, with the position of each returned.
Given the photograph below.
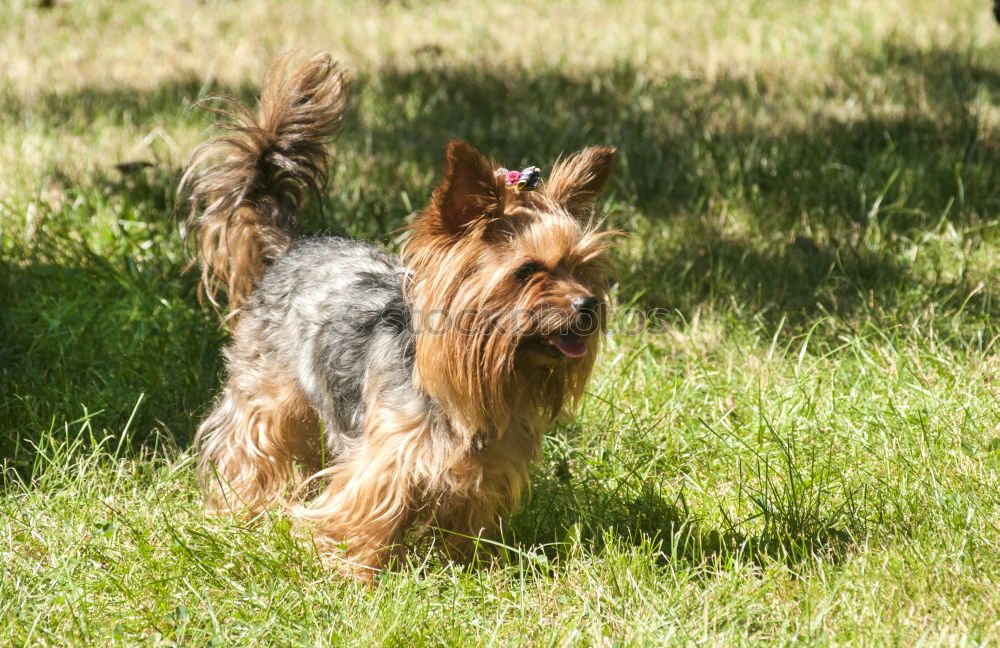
(368, 393)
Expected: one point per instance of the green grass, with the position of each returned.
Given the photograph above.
(801, 446)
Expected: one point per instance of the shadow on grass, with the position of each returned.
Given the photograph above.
(789, 523)
(85, 328)
(88, 337)
(690, 149)
(685, 141)
(811, 198)
(795, 282)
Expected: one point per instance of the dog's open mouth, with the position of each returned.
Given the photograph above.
(570, 345)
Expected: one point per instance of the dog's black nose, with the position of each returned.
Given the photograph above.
(585, 304)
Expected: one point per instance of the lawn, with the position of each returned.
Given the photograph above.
(793, 433)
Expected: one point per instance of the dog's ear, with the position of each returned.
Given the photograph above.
(469, 190)
(577, 181)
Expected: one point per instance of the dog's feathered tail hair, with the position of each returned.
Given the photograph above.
(245, 188)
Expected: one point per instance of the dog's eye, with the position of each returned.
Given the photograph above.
(527, 271)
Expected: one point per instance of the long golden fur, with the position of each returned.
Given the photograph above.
(432, 376)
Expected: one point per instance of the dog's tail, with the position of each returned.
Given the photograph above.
(245, 188)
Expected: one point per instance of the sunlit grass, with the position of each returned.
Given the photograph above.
(799, 442)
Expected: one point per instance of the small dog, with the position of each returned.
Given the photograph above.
(368, 393)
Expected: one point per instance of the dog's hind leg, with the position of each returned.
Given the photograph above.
(256, 443)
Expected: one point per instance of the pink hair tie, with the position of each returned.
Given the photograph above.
(525, 180)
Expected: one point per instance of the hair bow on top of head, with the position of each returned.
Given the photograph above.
(523, 180)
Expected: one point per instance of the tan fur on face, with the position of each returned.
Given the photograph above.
(464, 256)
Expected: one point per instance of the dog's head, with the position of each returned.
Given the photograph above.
(509, 283)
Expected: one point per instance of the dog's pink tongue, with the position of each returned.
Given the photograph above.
(571, 344)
